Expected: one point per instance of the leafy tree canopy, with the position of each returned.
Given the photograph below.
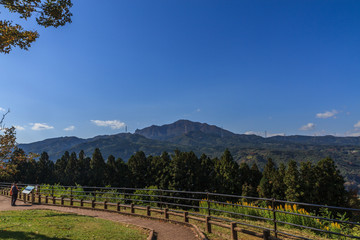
(49, 13)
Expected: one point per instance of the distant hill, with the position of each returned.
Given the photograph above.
(179, 128)
(201, 138)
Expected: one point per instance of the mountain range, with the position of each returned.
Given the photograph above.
(201, 138)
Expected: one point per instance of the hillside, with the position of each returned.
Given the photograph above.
(212, 140)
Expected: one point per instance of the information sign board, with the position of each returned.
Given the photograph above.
(28, 189)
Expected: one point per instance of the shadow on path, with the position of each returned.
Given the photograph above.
(26, 235)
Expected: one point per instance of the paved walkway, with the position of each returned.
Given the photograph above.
(164, 230)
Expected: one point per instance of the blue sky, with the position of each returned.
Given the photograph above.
(285, 67)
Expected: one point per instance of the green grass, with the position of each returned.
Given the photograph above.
(46, 224)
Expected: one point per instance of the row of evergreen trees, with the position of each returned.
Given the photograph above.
(320, 183)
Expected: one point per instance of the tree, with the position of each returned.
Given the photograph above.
(278, 185)
(185, 168)
(265, 186)
(97, 166)
(60, 167)
(307, 180)
(9, 160)
(111, 171)
(292, 182)
(122, 176)
(71, 170)
(51, 13)
(84, 169)
(329, 184)
(45, 169)
(206, 174)
(140, 169)
(227, 174)
(160, 170)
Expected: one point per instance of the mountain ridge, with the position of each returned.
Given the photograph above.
(212, 140)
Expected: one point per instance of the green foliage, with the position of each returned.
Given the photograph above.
(292, 182)
(227, 174)
(98, 168)
(146, 197)
(243, 207)
(53, 13)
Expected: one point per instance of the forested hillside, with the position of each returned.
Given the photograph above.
(319, 183)
(211, 140)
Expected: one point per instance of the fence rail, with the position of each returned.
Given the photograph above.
(273, 217)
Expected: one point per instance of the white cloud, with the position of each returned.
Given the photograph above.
(70, 128)
(327, 114)
(2, 109)
(41, 126)
(308, 127)
(357, 125)
(353, 134)
(114, 124)
(20, 128)
(253, 133)
(198, 110)
(275, 134)
(262, 134)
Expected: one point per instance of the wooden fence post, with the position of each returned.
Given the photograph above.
(39, 200)
(118, 206)
(54, 200)
(266, 235)
(186, 219)
(234, 235)
(93, 203)
(62, 200)
(46, 199)
(208, 224)
(81, 202)
(274, 216)
(105, 204)
(166, 214)
(132, 209)
(148, 213)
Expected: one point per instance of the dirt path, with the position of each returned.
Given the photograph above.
(164, 230)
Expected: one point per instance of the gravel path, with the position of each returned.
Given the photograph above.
(164, 230)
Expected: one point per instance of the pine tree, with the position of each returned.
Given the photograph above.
(307, 182)
(329, 184)
(140, 169)
(227, 174)
(278, 185)
(206, 174)
(60, 167)
(83, 169)
(111, 172)
(292, 182)
(123, 178)
(45, 169)
(97, 166)
(71, 172)
(160, 169)
(185, 168)
(266, 183)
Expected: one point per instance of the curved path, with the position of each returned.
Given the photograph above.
(164, 230)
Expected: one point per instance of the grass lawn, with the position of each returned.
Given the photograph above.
(46, 224)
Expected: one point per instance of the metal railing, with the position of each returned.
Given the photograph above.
(237, 213)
